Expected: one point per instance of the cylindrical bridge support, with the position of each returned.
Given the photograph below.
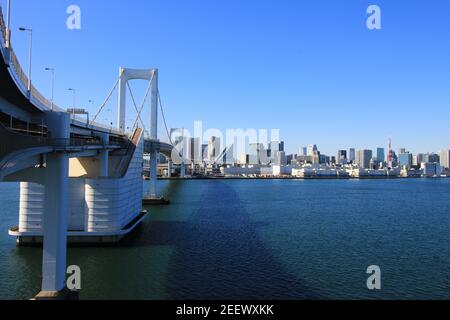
(104, 157)
(153, 172)
(55, 223)
(55, 209)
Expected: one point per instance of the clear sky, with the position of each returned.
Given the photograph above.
(310, 68)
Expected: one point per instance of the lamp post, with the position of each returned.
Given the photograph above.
(30, 55)
(74, 91)
(91, 102)
(8, 25)
(53, 84)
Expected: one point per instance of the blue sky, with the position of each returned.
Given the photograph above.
(310, 68)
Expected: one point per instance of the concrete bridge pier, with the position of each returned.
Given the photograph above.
(55, 213)
(153, 173)
(104, 157)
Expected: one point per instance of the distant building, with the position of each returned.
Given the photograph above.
(433, 158)
(445, 158)
(324, 159)
(418, 159)
(352, 155)
(253, 153)
(303, 151)
(243, 159)
(214, 149)
(194, 148)
(363, 158)
(405, 160)
(274, 148)
(204, 152)
(312, 150)
(182, 144)
(280, 158)
(290, 158)
(431, 169)
(381, 157)
(341, 157)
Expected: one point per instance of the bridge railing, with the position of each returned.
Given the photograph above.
(2, 24)
(14, 62)
(12, 141)
(80, 142)
(39, 97)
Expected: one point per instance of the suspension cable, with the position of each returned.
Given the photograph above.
(143, 102)
(106, 101)
(135, 106)
(164, 118)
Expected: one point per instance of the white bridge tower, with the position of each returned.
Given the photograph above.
(150, 75)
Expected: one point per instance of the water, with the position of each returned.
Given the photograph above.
(258, 239)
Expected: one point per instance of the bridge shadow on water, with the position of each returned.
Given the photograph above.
(218, 253)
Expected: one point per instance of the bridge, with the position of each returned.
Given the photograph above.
(81, 181)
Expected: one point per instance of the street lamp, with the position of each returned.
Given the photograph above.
(91, 102)
(74, 91)
(53, 84)
(30, 55)
(8, 25)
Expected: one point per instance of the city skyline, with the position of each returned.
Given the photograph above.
(217, 151)
(344, 81)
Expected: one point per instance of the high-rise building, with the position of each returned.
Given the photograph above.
(341, 157)
(420, 158)
(280, 158)
(254, 152)
(445, 158)
(324, 159)
(381, 157)
(431, 169)
(433, 158)
(243, 159)
(303, 152)
(204, 152)
(274, 148)
(405, 160)
(352, 155)
(194, 148)
(363, 158)
(181, 143)
(312, 150)
(214, 149)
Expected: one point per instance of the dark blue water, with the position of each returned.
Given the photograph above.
(262, 239)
